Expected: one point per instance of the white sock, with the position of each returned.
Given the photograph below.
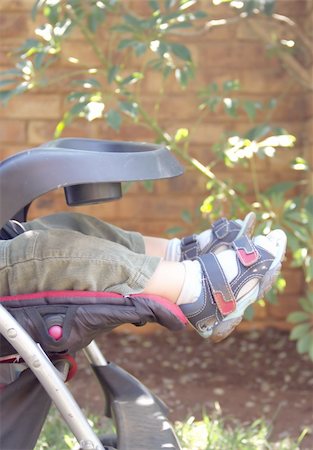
(192, 285)
(173, 252)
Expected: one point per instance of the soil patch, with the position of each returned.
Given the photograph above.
(249, 375)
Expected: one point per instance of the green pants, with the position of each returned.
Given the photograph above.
(73, 251)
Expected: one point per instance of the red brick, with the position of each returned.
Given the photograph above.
(13, 25)
(40, 131)
(286, 305)
(35, 106)
(12, 131)
(16, 5)
(80, 50)
(6, 59)
(7, 150)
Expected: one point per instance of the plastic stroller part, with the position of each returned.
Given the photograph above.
(89, 170)
(50, 379)
(139, 415)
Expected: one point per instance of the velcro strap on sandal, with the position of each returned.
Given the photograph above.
(190, 246)
(246, 251)
(218, 284)
(221, 228)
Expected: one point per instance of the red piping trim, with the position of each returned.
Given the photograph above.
(35, 295)
(161, 300)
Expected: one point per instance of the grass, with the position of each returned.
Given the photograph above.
(209, 433)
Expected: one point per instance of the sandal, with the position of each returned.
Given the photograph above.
(224, 232)
(252, 268)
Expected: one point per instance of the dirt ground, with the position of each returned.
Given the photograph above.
(251, 375)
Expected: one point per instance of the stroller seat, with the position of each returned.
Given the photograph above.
(43, 330)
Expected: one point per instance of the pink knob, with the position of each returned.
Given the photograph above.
(56, 332)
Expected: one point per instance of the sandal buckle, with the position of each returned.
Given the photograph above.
(221, 228)
(246, 251)
(189, 246)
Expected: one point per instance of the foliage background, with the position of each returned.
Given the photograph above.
(227, 85)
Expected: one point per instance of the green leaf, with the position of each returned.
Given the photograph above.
(306, 305)
(174, 231)
(305, 343)
(122, 28)
(125, 43)
(309, 205)
(249, 313)
(181, 76)
(16, 72)
(81, 96)
(272, 103)
(179, 25)
(148, 185)
(258, 132)
(6, 95)
(7, 82)
(280, 188)
(112, 72)
(78, 108)
(52, 13)
(199, 15)
(87, 83)
(231, 85)
(95, 18)
(131, 79)
(268, 7)
(251, 107)
(38, 60)
(154, 5)
(298, 316)
(29, 44)
(140, 48)
(130, 108)
(114, 119)
(187, 4)
(311, 352)
(170, 3)
(309, 269)
(132, 20)
(37, 5)
(230, 106)
(166, 71)
(181, 51)
(186, 216)
(299, 331)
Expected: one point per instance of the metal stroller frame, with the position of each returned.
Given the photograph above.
(89, 171)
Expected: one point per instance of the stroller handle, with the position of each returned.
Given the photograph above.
(89, 170)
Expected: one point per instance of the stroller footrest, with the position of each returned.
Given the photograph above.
(139, 416)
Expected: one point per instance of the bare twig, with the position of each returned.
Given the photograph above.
(289, 61)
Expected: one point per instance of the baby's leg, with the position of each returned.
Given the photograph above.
(90, 226)
(62, 259)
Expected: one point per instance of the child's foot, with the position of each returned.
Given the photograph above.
(219, 238)
(232, 280)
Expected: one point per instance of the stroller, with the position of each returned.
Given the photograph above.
(41, 332)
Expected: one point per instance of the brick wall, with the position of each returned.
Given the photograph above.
(223, 53)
